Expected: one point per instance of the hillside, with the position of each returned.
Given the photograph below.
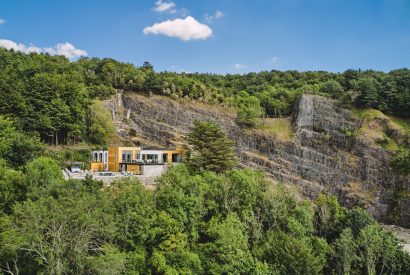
(210, 214)
(329, 148)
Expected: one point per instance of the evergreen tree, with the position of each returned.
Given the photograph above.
(211, 149)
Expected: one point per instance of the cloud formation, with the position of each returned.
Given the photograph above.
(2, 21)
(211, 18)
(272, 60)
(184, 29)
(66, 49)
(161, 6)
(238, 66)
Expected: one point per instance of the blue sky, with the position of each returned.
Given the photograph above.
(219, 36)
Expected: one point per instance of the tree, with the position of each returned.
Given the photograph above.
(345, 252)
(170, 249)
(371, 245)
(401, 160)
(368, 89)
(329, 217)
(211, 149)
(134, 212)
(332, 87)
(228, 253)
(16, 147)
(181, 195)
(294, 256)
(248, 109)
(101, 127)
(12, 189)
(58, 235)
(42, 171)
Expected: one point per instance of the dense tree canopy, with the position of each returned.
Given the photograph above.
(205, 217)
(50, 95)
(231, 223)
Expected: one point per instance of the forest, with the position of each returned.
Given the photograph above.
(59, 102)
(51, 96)
(206, 216)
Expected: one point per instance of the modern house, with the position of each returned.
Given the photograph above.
(135, 160)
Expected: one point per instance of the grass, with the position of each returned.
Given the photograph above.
(369, 130)
(279, 128)
(401, 123)
(373, 131)
(371, 114)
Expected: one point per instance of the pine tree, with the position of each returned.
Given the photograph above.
(210, 148)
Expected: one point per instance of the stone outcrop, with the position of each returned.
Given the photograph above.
(322, 157)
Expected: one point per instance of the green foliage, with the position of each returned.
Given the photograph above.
(181, 195)
(345, 252)
(368, 92)
(56, 236)
(42, 172)
(101, 127)
(11, 187)
(51, 96)
(293, 255)
(228, 250)
(228, 223)
(329, 217)
(204, 218)
(171, 254)
(211, 149)
(332, 87)
(16, 147)
(134, 211)
(401, 160)
(66, 155)
(248, 109)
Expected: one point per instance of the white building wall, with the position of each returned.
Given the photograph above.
(154, 170)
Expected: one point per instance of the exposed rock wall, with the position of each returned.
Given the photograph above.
(321, 158)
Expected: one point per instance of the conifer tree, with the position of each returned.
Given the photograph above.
(211, 149)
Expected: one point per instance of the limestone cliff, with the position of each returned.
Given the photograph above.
(322, 156)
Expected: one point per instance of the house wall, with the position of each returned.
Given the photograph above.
(113, 164)
(115, 157)
(133, 168)
(153, 170)
(114, 160)
(96, 166)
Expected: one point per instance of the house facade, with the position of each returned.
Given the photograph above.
(134, 160)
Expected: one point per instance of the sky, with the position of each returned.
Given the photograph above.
(216, 36)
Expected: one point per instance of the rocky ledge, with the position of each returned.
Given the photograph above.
(322, 157)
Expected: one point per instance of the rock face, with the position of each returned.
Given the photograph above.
(323, 157)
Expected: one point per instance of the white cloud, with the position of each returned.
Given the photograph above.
(2, 21)
(66, 49)
(8, 44)
(272, 60)
(238, 66)
(219, 14)
(184, 29)
(210, 18)
(161, 6)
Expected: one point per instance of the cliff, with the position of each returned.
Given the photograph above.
(323, 156)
